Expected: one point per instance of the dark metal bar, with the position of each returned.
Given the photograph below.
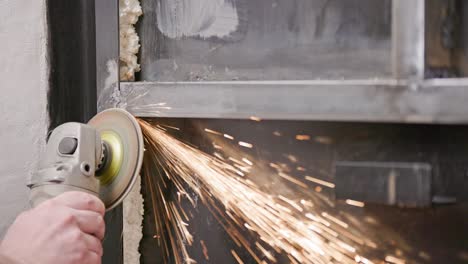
(72, 80)
(72, 60)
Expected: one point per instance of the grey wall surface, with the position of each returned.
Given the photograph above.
(23, 82)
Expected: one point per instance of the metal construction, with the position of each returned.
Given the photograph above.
(402, 90)
(375, 91)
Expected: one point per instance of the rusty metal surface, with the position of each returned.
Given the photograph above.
(446, 38)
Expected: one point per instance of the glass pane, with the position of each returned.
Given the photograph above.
(226, 40)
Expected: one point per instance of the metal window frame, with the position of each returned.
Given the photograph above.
(432, 101)
(407, 97)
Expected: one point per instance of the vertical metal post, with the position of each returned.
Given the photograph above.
(408, 39)
(107, 73)
(83, 38)
(107, 51)
(72, 59)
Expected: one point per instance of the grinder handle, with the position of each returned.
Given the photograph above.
(68, 164)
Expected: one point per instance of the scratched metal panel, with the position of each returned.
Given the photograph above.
(264, 40)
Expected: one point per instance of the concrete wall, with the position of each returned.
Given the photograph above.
(23, 99)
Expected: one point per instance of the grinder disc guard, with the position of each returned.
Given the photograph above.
(123, 143)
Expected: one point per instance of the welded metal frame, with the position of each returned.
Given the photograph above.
(406, 97)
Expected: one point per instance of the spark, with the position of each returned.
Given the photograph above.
(302, 137)
(355, 203)
(217, 146)
(160, 127)
(219, 156)
(205, 250)
(394, 260)
(213, 132)
(171, 127)
(334, 219)
(299, 168)
(234, 254)
(277, 133)
(235, 161)
(266, 252)
(307, 203)
(245, 144)
(228, 136)
(292, 179)
(255, 118)
(257, 220)
(248, 162)
(242, 168)
(274, 165)
(248, 227)
(362, 260)
(290, 202)
(321, 182)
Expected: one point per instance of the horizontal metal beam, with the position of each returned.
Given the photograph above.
(433, 101)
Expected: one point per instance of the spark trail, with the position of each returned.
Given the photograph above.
(265, 223)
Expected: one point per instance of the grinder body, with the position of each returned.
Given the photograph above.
(69, 164)
(102, 158)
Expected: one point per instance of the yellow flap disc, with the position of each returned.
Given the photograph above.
(123, 154)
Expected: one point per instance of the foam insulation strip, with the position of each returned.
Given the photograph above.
(130, 11)
(132, 224)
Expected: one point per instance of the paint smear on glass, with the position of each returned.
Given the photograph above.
(197, 18)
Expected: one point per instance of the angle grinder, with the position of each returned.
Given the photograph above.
(102, 158)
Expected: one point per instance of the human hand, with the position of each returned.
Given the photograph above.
(67, 229)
